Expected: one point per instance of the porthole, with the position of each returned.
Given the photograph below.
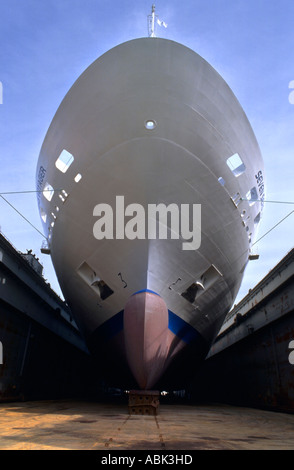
(78, 177)
(150, 124)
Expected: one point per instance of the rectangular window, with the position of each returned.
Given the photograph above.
(64, 161)
(63, 195)
(236, 165)
(252, 196)
(43, 215)
(257, 219)
(236, 199)
(48, 192)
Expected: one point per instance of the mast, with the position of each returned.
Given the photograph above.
(152, 19)
(151, 23)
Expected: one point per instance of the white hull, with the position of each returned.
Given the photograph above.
(199, 126)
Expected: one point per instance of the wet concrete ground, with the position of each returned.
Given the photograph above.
(74, 425)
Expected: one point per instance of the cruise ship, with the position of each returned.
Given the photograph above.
(150, 187)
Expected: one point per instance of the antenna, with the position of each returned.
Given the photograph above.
(152, 20)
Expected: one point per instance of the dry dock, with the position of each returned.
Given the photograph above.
(44, 359)
(75, 425)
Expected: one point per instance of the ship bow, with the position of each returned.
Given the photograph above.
(146, 333)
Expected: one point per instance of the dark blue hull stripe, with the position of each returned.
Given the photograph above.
(146, 290)
(111, 327)
(181, 329)
(177, 325)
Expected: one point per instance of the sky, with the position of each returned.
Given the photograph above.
(45, 46)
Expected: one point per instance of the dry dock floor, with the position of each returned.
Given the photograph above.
(74, 425)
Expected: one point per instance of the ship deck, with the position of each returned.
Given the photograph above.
(80, 425)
